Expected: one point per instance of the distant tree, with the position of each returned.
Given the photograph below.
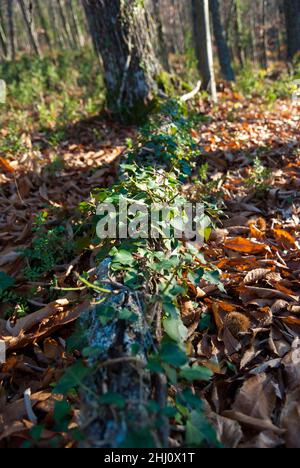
(122, 37)
(222, 46)
(292, 16)
(203, 45)
(27, 12)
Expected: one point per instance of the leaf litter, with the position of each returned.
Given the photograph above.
(252, 341)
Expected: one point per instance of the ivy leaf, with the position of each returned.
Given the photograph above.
(172, 354)
(196, 373)
(62, 410)
(124, 258)
(199, 430)
(112, 399)
(174, 326)
(213, 277)
(5, 281)
(72, 378)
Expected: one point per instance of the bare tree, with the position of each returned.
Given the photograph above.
(203, 45)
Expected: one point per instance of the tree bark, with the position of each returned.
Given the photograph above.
(223, 50)
(203, 45)
(161, 47)
(122, 38)
(11, 31)
(65, 24)
(28, 19)
(43, 22)
(292, 17)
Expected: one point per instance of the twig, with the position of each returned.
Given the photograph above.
(188, 96)
(27, 402)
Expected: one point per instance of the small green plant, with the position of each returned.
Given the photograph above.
(259, 178)
(49, 247)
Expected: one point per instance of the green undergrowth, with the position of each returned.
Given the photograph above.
(156, 171)
(270, 86)
(46, 94)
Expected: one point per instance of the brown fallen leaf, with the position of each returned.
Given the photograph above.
(255, 423)
(48, 324)
(248, 293)
(256, 275)
(228, 431)
(25, 323)
(6, 166)
(290, 419)
(284, 237)
(264, 440)
(240, 244)
(257, 397)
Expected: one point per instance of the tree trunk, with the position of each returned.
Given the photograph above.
(122, 38)
(43, 23)
(161, 48)
(11, 31)
(28, 19)
(75, 24)
(65, 24)
(203, 45)
(57, 36)
(292, 16)
(223, 50)
(3, 38)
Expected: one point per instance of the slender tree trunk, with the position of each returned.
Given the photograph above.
(74, 24)
(43, 22)
(238, 33)
(11, 31)
(292, 17)
(223, 50)
(65, 24)
(58, 39)
(203, 45)
(3, 38)
(123, 40)
(264, 55)
(28, 19)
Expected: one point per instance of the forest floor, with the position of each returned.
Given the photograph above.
(249, 336)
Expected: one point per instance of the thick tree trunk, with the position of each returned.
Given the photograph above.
(203, 45)
(28, 19)
(223, 50)
(161, 48)
(122, 38)
(292, 16)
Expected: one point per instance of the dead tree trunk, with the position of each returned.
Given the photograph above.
(122, 38)
(123, 374)
(203, 45)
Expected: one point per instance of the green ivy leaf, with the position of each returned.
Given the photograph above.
(5, 281)
(72, 378)
(172, 354)
(196, 373)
